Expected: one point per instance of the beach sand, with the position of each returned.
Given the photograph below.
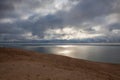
(16, 64)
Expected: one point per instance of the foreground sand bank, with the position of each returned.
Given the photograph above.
(18, 64)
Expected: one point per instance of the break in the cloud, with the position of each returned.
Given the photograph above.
(96, 20)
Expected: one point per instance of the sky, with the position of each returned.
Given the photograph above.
(89, 20)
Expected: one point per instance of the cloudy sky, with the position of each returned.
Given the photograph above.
(96, 20)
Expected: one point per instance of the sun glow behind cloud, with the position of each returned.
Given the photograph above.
(68, 33)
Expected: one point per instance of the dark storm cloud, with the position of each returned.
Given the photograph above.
(8, 4)
(7, 8)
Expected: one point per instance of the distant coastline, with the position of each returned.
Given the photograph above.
(91, 44)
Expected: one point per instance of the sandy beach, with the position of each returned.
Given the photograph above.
(16, 64)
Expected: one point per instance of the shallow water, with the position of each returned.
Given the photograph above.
(99, 53)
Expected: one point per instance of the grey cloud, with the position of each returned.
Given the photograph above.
(42, 24)
(94, 13)
(7, 8)
(8, 29)
(11, 8)
(90, 12)
(87, 10)
(30, 4)
(16, 8)
(36, 27)
(114, 26)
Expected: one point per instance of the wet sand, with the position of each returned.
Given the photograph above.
(16, 64)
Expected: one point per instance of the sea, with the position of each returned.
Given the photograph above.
(97, 52)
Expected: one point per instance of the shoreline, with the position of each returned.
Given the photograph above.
(29, 65)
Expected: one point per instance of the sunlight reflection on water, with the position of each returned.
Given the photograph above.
(101, 53)
(94, 53)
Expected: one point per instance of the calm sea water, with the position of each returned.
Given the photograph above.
(92, 52)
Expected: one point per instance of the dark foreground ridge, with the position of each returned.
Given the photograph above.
(16, 64)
